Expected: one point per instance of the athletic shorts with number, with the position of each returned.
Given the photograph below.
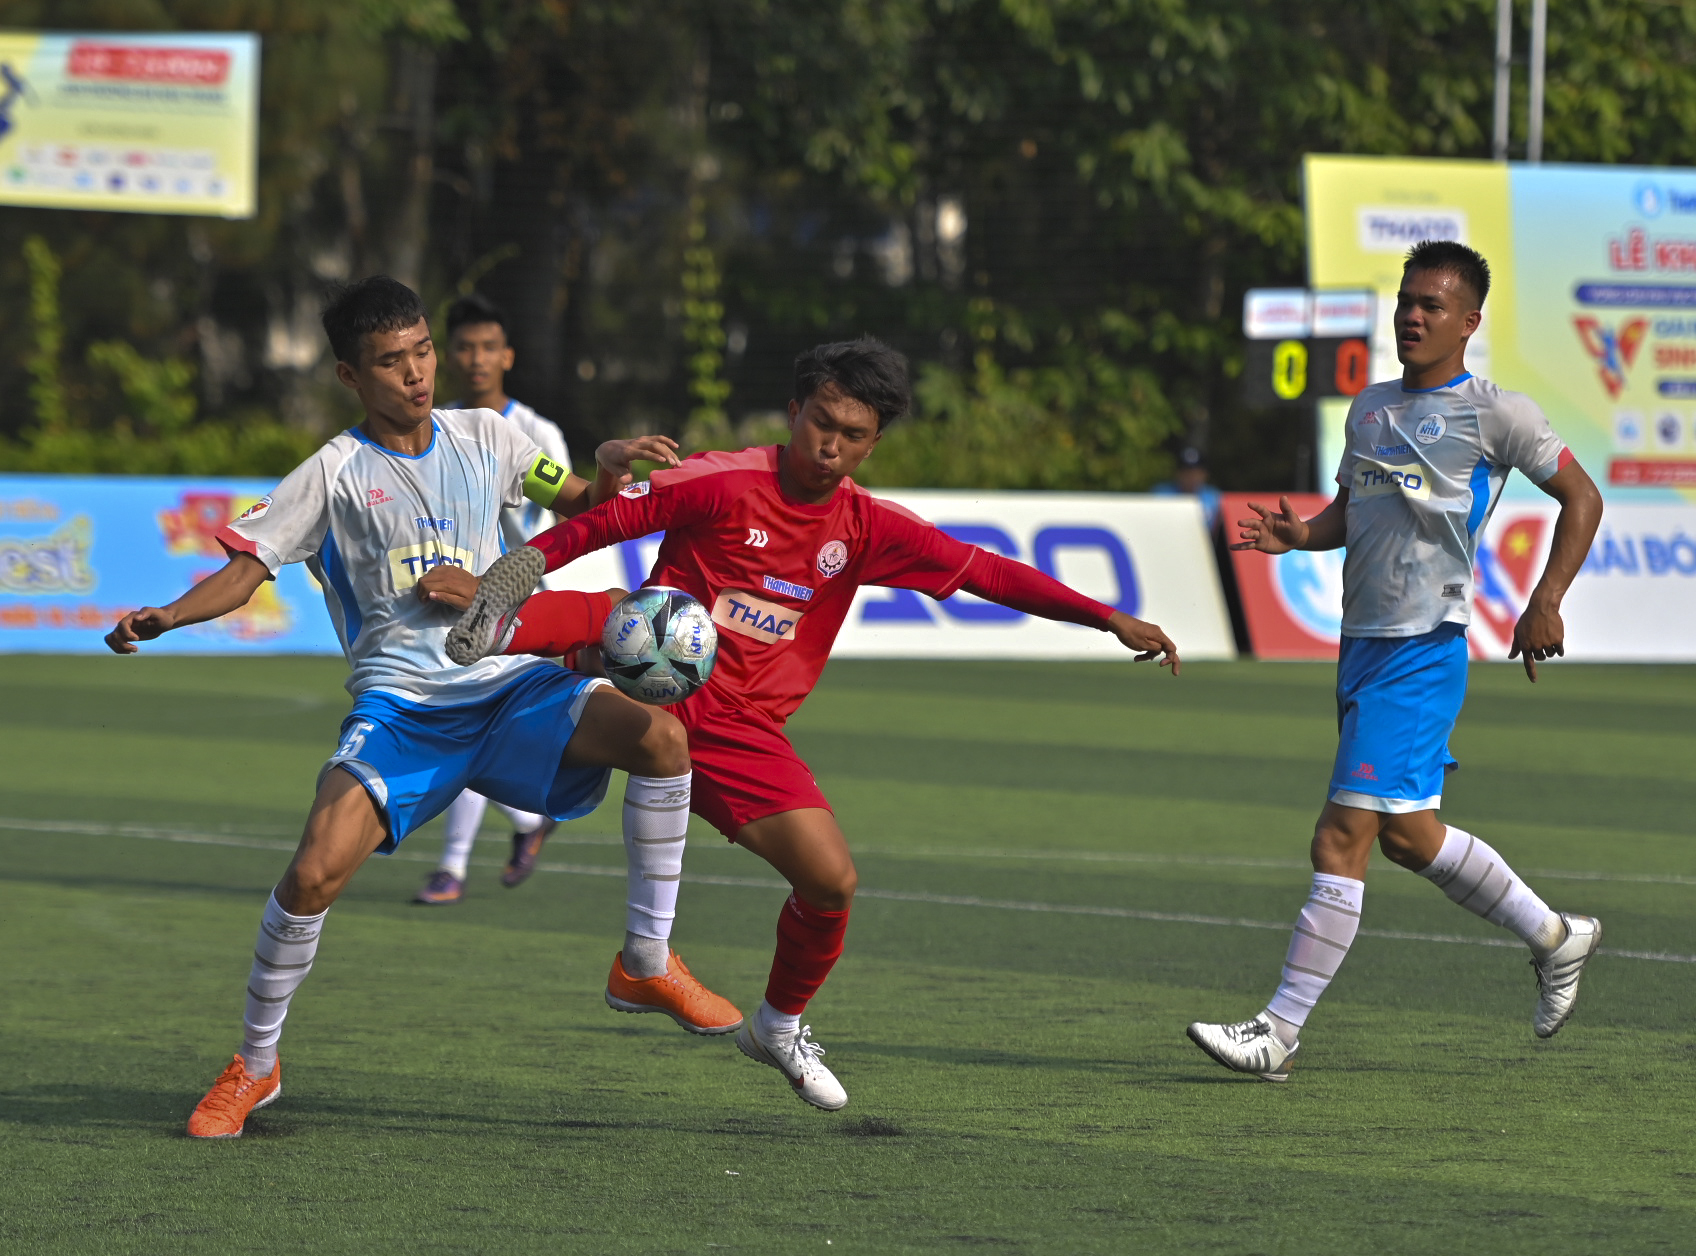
(744, 767)
(414, 759)
(1397, 702)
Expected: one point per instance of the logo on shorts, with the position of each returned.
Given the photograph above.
(1431, 430)
(798, 591)
(832, 558)
(376, 497)
(257, 510)
(641, 488)
(1365, 772)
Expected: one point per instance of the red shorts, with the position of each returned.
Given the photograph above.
(745, 768)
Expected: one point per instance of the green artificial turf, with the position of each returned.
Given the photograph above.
(1019, 1076)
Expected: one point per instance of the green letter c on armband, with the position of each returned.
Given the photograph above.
(542, 482)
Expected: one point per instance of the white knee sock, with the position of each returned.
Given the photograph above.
(1472, 874)
(1324, 932)
(281, 960)
(464, 817)
(522, 821)
(656, 816)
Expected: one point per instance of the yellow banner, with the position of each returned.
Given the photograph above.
(155, 123)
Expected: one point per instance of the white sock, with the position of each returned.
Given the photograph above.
(771, 1024)
(656, 817)
(1472, 874)
(1324, 932)
(464, 817)
(522, 821)
(281, 959)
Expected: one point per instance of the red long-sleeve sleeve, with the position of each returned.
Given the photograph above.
(626, 516)
(1026, 589)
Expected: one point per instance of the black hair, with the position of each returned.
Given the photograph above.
(473, 308)
(866, 369)
(366, 307)
(1453, 256)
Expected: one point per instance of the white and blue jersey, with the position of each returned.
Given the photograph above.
(369, 522)
(527, 519)
(1424, 469)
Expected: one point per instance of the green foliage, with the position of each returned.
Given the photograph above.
(1085, 424)
(156, 432)
(47, 389)
(703, 332)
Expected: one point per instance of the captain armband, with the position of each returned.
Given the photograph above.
(543, 481)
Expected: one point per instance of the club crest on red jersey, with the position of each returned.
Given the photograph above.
(832, 558)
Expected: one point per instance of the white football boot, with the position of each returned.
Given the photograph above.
(796, 1058)
(1558, 974)
(1247, 1047)
(510, 579)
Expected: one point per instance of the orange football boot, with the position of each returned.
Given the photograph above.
(678, 994)
(225, 1109)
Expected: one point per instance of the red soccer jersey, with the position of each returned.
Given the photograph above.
(778, 575)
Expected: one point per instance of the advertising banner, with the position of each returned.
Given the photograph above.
(1592, 306)
(1634, 599)
(77, 552)
(155, 123)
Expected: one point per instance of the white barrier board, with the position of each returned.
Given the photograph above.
(1147, 555)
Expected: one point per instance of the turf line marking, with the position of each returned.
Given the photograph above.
(768, 883)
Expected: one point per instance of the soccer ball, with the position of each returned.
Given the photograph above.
(659, 645)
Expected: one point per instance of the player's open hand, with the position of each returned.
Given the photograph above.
(143, 625)
(1539, 635)
(447, 585)
(1146, 639)
(1272, 533)
(615, 456)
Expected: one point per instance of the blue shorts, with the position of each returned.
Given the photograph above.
(1397, 702)
(414, 760)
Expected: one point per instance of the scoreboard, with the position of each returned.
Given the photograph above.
(1303, 346)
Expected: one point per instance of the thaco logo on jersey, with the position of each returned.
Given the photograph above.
(408, 563)
(1374, 479)
(832, 558)
(747, 615)
(1614, 350)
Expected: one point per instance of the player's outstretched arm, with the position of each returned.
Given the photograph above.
(555, 488)
(1285, 530)
(220, 593)
(1540, 634)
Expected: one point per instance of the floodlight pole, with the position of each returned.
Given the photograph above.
(1539, 47)
(1504, 76)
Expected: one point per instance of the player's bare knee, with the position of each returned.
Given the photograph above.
(666, 745)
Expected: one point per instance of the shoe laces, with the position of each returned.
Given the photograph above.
(806, 1051)
(226, 1093)
(1247, 1031)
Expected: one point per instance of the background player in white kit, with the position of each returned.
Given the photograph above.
(1426, 460)
(481, 355)
(372, 513)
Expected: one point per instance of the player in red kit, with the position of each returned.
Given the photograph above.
(776, 541)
